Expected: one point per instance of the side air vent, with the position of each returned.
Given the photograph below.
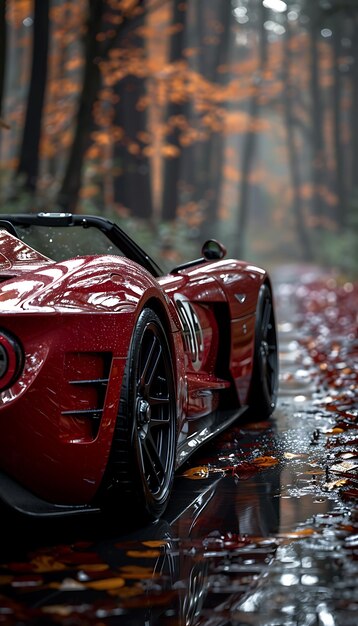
(88, 392)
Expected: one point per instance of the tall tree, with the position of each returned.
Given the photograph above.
(28, 167)
(293, 156)
(250, 139)
(215, 67)
(2, 50)
(71, 184)
(354, 108)
(318, 160)
(132, 183)
(98, 45)
(175, 107)
(339, 152)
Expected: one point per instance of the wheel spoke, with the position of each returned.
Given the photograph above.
(152, 462)
(154, 369)
(150, 366)
(158, 400)
(145, 367)
(159, 422)
(266, 318)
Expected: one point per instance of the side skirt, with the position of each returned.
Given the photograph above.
(210, 426)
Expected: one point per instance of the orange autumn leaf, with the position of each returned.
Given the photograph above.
(146, 554)
(334, 431)
(158, 543)
(134, 572)
(265, 461)
(197, 472)
(302, 532)
(106, 583)
(134, 148)
(127, 592)
(96, 567)
(47, 563)
(334, 484)
(170, 151)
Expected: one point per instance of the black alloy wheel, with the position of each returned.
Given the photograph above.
(264, 382)
(141, 465)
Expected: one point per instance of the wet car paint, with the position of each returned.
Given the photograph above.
(262, 525)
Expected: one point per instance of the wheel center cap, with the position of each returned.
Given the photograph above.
(144, 412)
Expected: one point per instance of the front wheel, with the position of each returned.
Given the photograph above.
(141, 464)
(264, 381)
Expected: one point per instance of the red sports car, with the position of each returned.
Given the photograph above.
(112, 372)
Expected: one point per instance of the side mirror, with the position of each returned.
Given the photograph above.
(213, 250)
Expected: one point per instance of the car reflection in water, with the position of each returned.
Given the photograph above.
(216, 536)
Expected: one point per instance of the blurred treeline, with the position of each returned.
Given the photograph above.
(185, 119)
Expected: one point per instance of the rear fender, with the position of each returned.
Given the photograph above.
(75, 323)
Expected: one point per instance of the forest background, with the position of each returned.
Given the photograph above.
(187, 119)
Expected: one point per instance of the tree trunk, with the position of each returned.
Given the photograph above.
(29, 153)
(293, 157)
(71, 184)
(250, 140)
(132, 188)
(172, 165)
(317, 112)
(2, 49)
(354, 109)
(212, 151)
(341, 209)
(132, 184)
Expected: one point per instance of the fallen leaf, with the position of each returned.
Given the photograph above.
(136, 572)
(95, 567)
(143, 554)
(47, 563)
(304, 532)
(106, 583)
(334, 484)
(158, 543)
(265, 461)
(344, 466)
(197, 472)
(334, 431)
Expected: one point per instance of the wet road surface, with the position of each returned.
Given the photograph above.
(262, 527)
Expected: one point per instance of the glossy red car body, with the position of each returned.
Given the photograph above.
(73, 322)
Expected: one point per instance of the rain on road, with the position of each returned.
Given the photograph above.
(262, 527)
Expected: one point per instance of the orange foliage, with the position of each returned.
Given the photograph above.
(17, 12)
(89, 191)
(169, 150)
(232, 173)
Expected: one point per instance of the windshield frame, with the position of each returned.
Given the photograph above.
(112, 231)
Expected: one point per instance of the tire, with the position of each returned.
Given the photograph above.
(140, 469)
(264, 381)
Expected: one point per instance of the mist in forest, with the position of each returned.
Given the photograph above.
(184, 120)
